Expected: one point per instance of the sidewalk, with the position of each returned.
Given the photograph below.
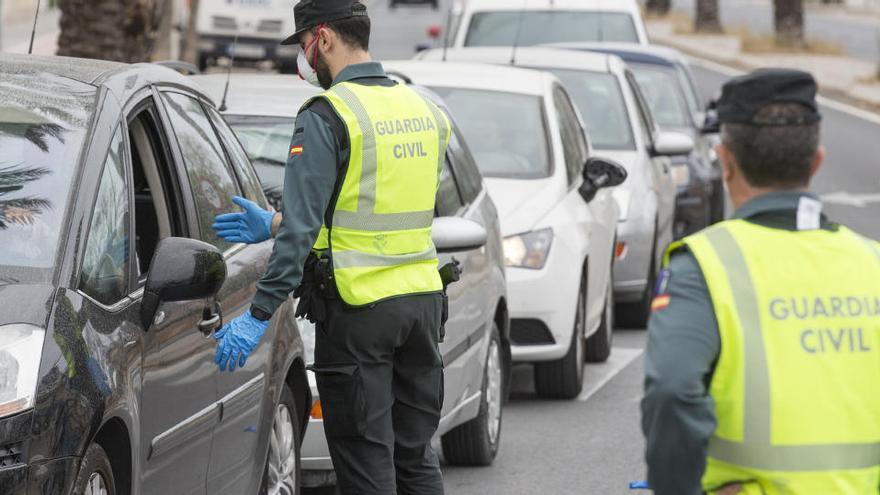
(840, 77)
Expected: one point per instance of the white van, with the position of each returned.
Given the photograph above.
(260, 25)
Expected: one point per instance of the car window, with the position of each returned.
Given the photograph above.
(508, 28)
(574, 146)
(212, 184)
(448, 199)
(664, 94)
(691, 93)
(104, 273)
(43, 125)
(248, 180)
(468, 177)
(600, 101)
(645, 120)
(266, 140)
(505, 131)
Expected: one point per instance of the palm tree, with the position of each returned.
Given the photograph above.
(788, 16)
(707, 19)
(20, 211)
(658, 7)
(120, 30)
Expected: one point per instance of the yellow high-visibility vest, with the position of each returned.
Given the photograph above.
(797, 384)
(380, 238)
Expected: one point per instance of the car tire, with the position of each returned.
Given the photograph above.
(281, 475)
(475, 443)
(564, 378)
(599, 344)
(95, 475)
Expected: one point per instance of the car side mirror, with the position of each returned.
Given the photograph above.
(711, 125)
(421, 47)
(673, 144)
(181, 270)
(454, 234)
(600, 173)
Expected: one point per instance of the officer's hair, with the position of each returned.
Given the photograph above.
(354, 31)
(774, 156)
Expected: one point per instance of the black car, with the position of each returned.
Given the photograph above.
(665, 79)
(112, 284)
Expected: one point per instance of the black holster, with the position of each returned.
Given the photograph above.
(449, 274)
(316, 288)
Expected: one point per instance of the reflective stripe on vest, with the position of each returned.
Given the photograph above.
(775, 294)
(381, 233)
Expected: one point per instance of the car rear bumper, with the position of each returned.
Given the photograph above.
(249, 48)
(543, 301)
(54, 476)
(631, 270)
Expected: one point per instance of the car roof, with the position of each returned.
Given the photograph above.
(258, 94)
(473, 75)
(631, 52)
(591, 5)
(122, 79)
(531, 57)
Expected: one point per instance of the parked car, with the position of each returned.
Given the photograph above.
(476, 351)
(251, 29)
(529, 143)
(621, 127)
(113, 284)
(481, 23)
(665, 78)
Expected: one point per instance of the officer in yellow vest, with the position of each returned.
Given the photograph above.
(354, 239)
(763, 358)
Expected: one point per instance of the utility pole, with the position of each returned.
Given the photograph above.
(788, 17)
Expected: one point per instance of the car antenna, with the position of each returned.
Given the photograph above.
(229, 74)
(34, 31)
(446, 32)
(519, 25)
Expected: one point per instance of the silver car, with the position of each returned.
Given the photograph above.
(476, 351)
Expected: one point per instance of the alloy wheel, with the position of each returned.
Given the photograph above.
(282, 454)
(493, 391)
(97, 485)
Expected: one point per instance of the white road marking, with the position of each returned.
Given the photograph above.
(849, 199)
(846, 108)
(620, 358)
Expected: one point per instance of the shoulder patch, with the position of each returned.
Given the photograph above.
(660, 302)
(296, 150)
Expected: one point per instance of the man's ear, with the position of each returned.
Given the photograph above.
(818, 161)
(726, 158)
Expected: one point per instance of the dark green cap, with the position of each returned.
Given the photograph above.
(743, 97)
(310, 13)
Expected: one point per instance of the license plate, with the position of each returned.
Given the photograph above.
(248, 51)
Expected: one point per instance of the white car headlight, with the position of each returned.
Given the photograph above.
(21, 347)
(529, 250)
(623, 198)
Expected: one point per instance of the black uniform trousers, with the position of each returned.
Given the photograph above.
(380, 377)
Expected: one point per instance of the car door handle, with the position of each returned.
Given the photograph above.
(210, 325)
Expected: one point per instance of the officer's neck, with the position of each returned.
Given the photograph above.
(346, 58)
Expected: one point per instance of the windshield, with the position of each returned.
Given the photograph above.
(556, 26)
(42, 127)
(600, 101)
(267, 143)
(661, 89)
(505, 131)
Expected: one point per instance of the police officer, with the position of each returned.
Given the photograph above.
(358, 204)
(763, 358)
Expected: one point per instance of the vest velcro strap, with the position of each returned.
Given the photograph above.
(357, 259)
(383, 222)
(795, 457)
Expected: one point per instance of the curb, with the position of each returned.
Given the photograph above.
(832, 93)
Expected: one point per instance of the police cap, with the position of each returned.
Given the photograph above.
(742, 98)
(310, 13)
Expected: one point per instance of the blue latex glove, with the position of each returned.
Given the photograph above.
(238, 338)
(251, 226)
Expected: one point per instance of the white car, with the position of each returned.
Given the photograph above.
(476, 352)
(536, 22)
(529, 143)
(621, 127)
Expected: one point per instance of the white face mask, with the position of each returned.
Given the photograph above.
(306, 72)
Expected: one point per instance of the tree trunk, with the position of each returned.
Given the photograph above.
(707, 19)
(120, 30)
(658, 7)
(190, 49)
(789, 21)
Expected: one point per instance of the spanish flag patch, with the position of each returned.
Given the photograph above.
(660, 302)
(296, 150)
